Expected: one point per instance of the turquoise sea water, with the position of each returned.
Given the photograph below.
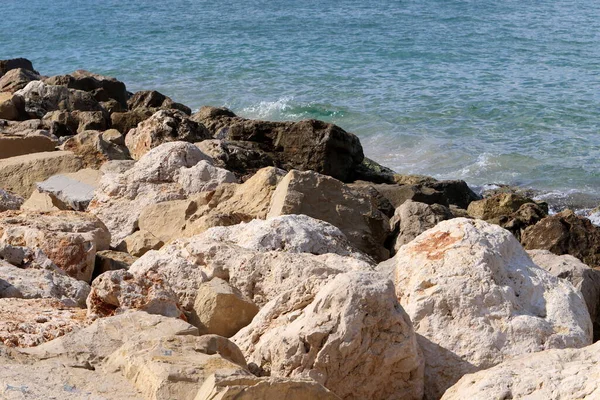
(490, 92)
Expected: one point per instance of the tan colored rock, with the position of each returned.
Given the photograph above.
(497, 206)
(8, 109)
(139, 243)
(221, 309)
(114, 136)
(476, 299)
(568, 374)
(31, 322)
(350, 335)
(173, 367)
(110, 260)
(245, 386)
(204, 177)
(73, 190)
(12, 146)
(17, 79)
(43, 202)
(20, 174)
(70, 239)
(328, 199)
(94, 150)
(10, 201)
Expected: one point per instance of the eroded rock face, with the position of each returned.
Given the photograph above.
(240, 157)
(353, 322)
(101, 87)
(565, 233)
(17, 79)
(70, 239)
(551, 374)
(476, 299)
(151, 99)
(328, 199)
(10, 201)
(94, 150)
(163, 127)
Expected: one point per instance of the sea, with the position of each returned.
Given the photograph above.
(491, 92)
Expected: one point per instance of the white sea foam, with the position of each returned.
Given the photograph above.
(277, 109)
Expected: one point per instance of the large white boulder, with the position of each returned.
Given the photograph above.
(476, 299)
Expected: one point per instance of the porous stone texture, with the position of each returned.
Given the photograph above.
(94, 149)
(31, 322)
(565, 233)
(43, 281)
(221, 309)
(567, 374)
(584, 278)
(328, 199)
(115, 292)
(139, 243)
(164, 126)
(13, 146)
(70, 239)
(20, 174)
(476, 299)
(10, 201)
(353, 322)
(204, 177)
(120, 198)
(73, 190)
(172, 367)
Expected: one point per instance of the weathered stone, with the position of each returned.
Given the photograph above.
(110, 260)
(114, 136)
(31, 322)
(63, 122)
(75, 190)
(10, 201)
(44, 202)
(413, 218)
(350, 335)
(328, 199)
(12, 146)
(117, 166)
(457, 192)
(8, 108)
(382, 203)
(70, 239)
(552, 374)
(204, 177)
(101, 87)
(398, 194)
(476, 299)
(151, 99)
(91, 120)
(371, 171)
(221, 309)
(565, 233)
(173, 367)
(115, 292)
(242, 158)
(164, 126)
(495, 207)
(17, 79)
(7, 65)
(127, 120)
(94, 150)
(139, 243)
(20, 174)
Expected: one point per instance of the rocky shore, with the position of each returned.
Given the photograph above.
(149, 252)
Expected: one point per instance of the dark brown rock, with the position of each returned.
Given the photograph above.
(457, 192)
(7, 65)
(151, 99)
(103, 88)
(125, 121)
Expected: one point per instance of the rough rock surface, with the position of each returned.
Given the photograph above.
(94, 149)
(31, 322)
(567, 374)
(151, 99)
(328, 199)
(476, 299)
(125, 121)
(13, 146)
(110, 260)
(204, 177)
(8, 108)
(164, 126)
(354, 323)
(242, 158)
(20, 174)
(72, 190)
(70, 239)
(17, 79)
(565, 233)
(13, 63)
(101, 87)
(10, 201)
(139, 243)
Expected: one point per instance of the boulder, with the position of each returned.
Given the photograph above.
(17, 79)
(101, 87)
(151, 99)
(328, 199)
(242, 158)
(413, 218)
(476, 299)
(12, 146)
(567, 374)
(73, 190)
(70, 239)
(7, 65)
(305, 145)
(139, 243)
(204, 177)
(94, 150)
(20, 174)
(41, 282)
(172, 367)
(350, 335)
(565, 233)
(584, 278)
(457, 192)
(221, 309)
(90, 120)
(114, 136)
(163, 127)
(44, 202)
(100, 339)
(110, 260)
(31, 322)
(127, 120)
(398, 194)
(120, 198)
(8, 108)
(382, 203)
(10, 201)
(115, 292)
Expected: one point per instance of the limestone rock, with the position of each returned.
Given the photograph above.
(163, 127)
(568, 374)
(584, 278)
(350, 335)
(117, 166)
(41, 283)
(328, 199)
(44, 202)
(115, 292)
(31, 322)
(17, 79)
(8, 108)
(70, 239)
(20, 174)
(565, 233)
(220, 309)
(12, 146)
(10, 201)
(204, 177)
(94, 150)
(74, 190)
(173, 367)
(476, 299)
(139, 243)
(114, 136)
